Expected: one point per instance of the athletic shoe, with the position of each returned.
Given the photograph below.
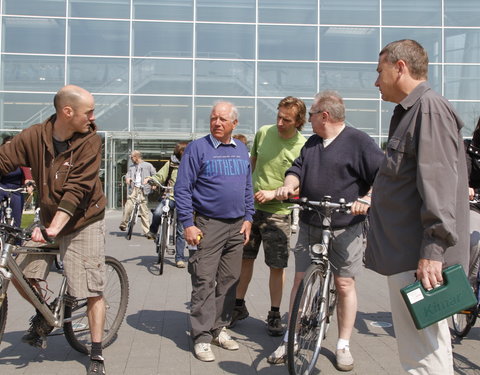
(239, 313)
(279, 356)
(180, 264)
(224, 341)
(344, 359)
(37, 334)
(122, 227)
(274, 323)
(203, 352)
(150, 235)
(96, 366)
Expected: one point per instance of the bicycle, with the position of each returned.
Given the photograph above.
(133, 216)
(65, 311)
(316, 297)
(6, 210)
(167, 225)
(463, 321)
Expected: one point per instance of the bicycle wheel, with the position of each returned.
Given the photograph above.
(3, 316)
(116, 292)
(163, 245)
(131, 222)
(464, 321)
(308, 322)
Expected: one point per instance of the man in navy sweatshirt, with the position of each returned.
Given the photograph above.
(342, 162)
(214, 200)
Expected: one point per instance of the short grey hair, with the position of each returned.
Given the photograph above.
(233, 109)
(330, 101)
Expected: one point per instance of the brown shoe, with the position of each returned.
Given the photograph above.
(122, 227)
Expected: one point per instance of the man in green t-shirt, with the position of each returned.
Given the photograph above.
(274, 149)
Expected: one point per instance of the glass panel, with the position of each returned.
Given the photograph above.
(226, 41)
(232, 78)
(462, 45)
(162, 114)
(287, 43)
(363, 115)
(32, 73)
(412, 12)
(430, 39)
(341, 43)
(225, 11)
(111, 112)
(162, 76)
(35, 8)
(300, 11)
(19, 111)
(350, 80)
(469, 112)
(44, 35)
(387, 112)
(97, 74)
(348, 12)
(162, 39)
(246, 115)
(99, 37)
(283, 79)
(462, 82)
(100, 9)
(461, 12)
(181, 10)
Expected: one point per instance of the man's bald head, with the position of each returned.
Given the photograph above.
(69, 95)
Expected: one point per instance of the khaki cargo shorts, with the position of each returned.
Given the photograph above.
(83, 256)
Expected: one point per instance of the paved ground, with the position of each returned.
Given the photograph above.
(154, 338)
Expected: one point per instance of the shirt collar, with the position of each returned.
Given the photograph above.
(417, 92)
(216, 143)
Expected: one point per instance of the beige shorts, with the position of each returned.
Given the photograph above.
(83, 256)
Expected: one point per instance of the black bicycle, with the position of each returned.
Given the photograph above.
(165, 237)
(316, 297)
(65, 310)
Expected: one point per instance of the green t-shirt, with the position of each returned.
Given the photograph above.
(274, 156)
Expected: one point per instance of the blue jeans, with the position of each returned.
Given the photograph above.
(179, 237)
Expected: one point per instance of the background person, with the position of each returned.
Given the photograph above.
(214, 200)
(64, 154)
(167, 176)
(419, 215)
(137, 189)
(472, 148)
(339, 161)
(274, 149)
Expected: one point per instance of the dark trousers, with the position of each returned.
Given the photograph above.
(215, 269)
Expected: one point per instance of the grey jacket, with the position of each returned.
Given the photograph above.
(146, 170)
(420, 195)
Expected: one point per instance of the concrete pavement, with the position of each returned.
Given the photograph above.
(154, 338)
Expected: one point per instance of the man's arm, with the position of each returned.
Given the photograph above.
(59, 221)
(290, 186)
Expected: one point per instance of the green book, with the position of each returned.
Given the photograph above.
(428, 307)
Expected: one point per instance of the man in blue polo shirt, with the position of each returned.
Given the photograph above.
(214, 200)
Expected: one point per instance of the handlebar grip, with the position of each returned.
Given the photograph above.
(45, 235)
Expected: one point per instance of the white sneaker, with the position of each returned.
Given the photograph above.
(224, 341)
(279, 355)
(203, 352)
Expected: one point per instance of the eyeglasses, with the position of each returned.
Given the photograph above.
(310, 114)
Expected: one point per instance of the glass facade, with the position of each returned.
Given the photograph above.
(156, 66)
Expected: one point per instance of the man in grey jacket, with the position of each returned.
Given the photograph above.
(419, 213)
(136, 189)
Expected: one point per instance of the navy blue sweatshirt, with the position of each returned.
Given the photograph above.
(214, 182)
(345, 169)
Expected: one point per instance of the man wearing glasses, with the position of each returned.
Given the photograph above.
(342, 162)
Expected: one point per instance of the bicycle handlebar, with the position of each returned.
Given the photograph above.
(325, 204)
(24, 234)
(17, 190)
(153, 182)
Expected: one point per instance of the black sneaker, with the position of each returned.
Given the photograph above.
(96, 366)
(274, 323)
(37, 333)
(239, 313)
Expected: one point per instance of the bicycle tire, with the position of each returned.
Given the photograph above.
(131, 222)
(3, 316)
(163, 246)
(116, 294)
(308, 322)
(463, 322)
